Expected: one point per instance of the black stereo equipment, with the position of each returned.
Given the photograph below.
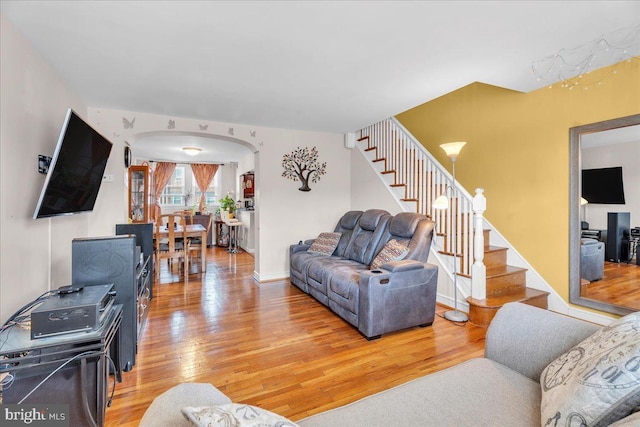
(635, 232)
(72, 310)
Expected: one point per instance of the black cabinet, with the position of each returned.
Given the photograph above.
(144, 239)
(113, 259)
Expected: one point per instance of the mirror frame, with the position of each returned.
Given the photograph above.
(574, 211)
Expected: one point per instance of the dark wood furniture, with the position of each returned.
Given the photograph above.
(141, 194)
(204, 220)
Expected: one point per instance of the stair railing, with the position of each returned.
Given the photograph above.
(413, 169)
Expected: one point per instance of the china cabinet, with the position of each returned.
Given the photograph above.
(141, 193)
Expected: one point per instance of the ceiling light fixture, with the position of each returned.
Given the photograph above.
(569, 67)
(192, 151)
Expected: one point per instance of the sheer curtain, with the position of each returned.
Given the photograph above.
(204, 174)
(162, 175)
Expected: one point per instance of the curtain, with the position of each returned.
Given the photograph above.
(162, 175)
(204, 175)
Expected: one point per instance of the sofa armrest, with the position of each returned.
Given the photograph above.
(402, 265)
(390, 301)
(298, 248)
(527, 338)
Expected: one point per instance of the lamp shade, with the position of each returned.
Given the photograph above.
(453, 149)
(583, 201)
(192, 151)
(441, 202)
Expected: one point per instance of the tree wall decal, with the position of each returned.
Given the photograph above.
(302, 165)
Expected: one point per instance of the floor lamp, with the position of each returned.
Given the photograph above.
(442, 202)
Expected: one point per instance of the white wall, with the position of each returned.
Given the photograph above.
(367, 189)
(35, 254)
(625, 155)
(283, 215)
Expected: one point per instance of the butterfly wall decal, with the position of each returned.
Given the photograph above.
(172, 124)
(203, 127)
(252, 133)
(230, 131)
(128, 124)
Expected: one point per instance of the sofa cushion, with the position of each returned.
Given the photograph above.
(165, 408)
(325, 244)
(404, 224)
(455, 396)
(597, 382)
(234, 415)
(392, 251)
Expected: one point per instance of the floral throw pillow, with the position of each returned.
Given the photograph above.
(597, 382)
(392, 251)
(325, 244)
(234, 415)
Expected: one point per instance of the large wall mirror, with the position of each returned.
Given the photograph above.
(605, 167)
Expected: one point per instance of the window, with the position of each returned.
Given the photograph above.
(212, 190)
(174, 193)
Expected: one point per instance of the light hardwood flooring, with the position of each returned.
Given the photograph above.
(620, 285)
(271, 345)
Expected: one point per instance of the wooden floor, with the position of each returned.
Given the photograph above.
(272, 346)
(620, 285)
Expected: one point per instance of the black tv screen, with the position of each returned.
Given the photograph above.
(603, 186)
(76, 170)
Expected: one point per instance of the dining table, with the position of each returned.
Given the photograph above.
(193, 230)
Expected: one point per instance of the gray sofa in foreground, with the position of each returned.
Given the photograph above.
(397, 295)
(501, 389)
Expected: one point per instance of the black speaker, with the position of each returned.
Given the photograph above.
(103, 260)
(618, 225)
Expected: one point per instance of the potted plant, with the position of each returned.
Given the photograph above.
(227, 204)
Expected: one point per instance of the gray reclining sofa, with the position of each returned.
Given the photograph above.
(399, 295)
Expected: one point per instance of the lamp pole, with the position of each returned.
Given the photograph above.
(453, 149)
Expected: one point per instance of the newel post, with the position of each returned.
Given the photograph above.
(478, 270)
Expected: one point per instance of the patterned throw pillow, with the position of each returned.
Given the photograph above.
(392, 251)
(325, 244)
(597, 382)
(234, 415)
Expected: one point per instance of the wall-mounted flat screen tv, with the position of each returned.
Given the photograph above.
(76, 170)
(603, 186)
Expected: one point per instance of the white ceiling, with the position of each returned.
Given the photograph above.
(333, 66)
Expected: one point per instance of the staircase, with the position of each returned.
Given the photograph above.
(416, 179)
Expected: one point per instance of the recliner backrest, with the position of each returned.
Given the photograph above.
(367, 235)
(413, 230)
(345, 226)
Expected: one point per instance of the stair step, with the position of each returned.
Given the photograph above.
(388, 172)
(410, 200)
(495, 256)
(486, 233)
(504, 279)
(481, 312)
(398, 185)
(363, 138)
(381, 159)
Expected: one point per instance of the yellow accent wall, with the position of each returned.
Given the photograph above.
(518, 151)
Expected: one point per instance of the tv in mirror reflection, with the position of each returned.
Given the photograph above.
(76, 170)
(603, 186)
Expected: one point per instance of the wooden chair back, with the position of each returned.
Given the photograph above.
(173, 244)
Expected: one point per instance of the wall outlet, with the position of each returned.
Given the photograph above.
(107, 178)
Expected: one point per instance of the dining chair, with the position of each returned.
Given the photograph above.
(175, 244)
(198, 246)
